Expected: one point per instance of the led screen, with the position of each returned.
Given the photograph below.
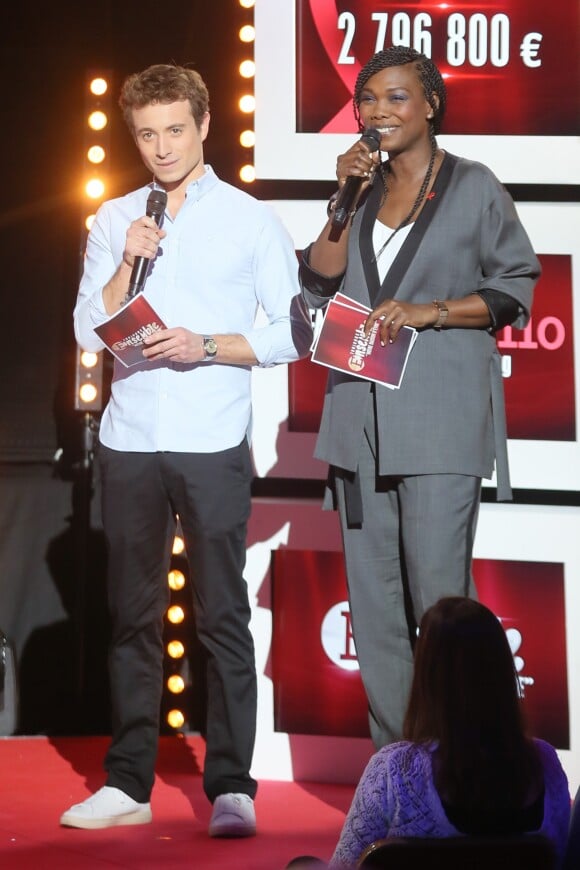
(511, 69)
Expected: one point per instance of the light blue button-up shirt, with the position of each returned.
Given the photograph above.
(225, 255)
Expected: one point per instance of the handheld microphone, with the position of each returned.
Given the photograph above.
(156, 202)
(351, 187)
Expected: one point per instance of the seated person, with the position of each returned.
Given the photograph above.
(466, 765)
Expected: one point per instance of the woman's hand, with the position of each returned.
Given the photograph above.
(393, 315)
(357, 161)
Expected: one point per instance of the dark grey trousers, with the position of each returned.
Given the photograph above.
(413, 546)
(142, 494)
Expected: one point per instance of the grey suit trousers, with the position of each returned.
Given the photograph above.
(413, 546)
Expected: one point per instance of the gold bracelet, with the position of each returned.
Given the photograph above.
(443, 314)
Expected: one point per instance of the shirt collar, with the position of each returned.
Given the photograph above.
(200, 186)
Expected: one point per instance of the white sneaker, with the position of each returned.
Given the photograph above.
(107, 807)
(233, 816)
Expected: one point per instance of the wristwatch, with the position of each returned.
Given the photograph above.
(443, 314)
(210, 348)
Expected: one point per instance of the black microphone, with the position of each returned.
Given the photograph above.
(156, 202)
(351, 187)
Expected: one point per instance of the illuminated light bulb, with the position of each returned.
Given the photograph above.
(175, 649)
(175, 614)
(176, 580)
(247, 33)
(247, 4)
(178, 545)
(97, 120)
(175, 718)
(88, 393)
(248, 173)
(89, 221)
(95, 188)
(247, 138)
(247, 69)
(98, 86)
(176, 684)
(88, 359)
(96, 154)
(247, 103)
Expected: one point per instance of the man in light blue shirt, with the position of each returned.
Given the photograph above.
(174, 438)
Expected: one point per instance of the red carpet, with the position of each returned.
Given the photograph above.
(41, 777)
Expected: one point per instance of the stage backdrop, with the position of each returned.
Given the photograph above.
(312, 709)
(503, 66)
(511, 70)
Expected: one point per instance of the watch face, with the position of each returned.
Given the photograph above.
(210, 347)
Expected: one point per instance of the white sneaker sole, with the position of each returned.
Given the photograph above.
(232, 829)
(140, 817)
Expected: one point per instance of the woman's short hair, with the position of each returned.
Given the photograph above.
(164, 83)
(429, 75)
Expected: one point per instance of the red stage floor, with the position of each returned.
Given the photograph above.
(42, 776)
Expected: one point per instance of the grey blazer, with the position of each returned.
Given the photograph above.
(449, 414)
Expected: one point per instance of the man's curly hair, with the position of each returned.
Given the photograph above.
(164, 83)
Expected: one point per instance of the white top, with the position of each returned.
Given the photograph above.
(381, 232)
(225, 254)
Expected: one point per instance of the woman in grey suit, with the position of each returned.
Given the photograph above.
(433, 242)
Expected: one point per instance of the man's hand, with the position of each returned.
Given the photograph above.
(177, 345)
(142, 240)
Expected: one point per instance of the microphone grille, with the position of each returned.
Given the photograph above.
(372, 139)
(156, 202)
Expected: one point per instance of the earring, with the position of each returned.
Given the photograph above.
(429, 117)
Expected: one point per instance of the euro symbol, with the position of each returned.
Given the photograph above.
(530, 48)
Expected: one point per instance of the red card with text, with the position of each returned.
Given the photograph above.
(123, 333)
(343, 345)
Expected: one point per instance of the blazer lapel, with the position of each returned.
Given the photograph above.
(403, 259)
(365, 238)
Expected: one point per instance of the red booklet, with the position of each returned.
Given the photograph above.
(123, 332)
(342, 344)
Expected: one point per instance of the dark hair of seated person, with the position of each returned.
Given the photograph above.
(465, 695)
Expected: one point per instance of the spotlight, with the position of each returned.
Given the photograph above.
(247, 138)
(248, 173)
(175, 614)
(247, 103)
(97, 120)
(96, 149)
(247, 69)
(176, 684)
(176, 580)
(88, 381)
(175, 649)
(175, 719)
(247, 33)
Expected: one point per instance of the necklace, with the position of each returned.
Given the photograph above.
(416, 204)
